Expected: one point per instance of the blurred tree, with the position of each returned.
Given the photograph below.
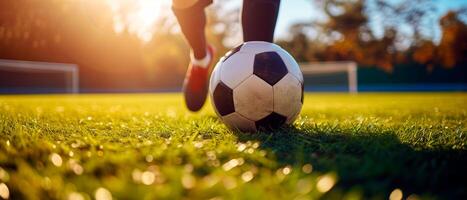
(452, 49)
(424, 53)
(85, 32)
(346, 34)
(351, 37)
(414, 15)
(299, 46)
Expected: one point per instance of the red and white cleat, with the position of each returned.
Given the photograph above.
(195, 85)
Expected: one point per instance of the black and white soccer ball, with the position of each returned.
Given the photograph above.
(257, 85)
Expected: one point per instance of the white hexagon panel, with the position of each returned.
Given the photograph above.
(240, 122)
(253, 98)
(215, 77)
(287, 96)
(259, 47)
(236, 69)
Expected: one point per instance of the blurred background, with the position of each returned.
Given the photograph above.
(136, 45)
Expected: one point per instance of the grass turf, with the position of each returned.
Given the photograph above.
(150, 147)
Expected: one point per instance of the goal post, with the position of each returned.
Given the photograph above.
(347, 68)
(70, 72)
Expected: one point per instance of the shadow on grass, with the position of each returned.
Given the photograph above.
(372, 163)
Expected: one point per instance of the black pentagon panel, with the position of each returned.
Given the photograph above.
(272, 121)
(223, 99)
(232, 52)
(269, 67)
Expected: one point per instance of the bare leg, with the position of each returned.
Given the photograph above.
(192, 19)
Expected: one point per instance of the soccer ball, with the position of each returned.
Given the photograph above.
(257, 85)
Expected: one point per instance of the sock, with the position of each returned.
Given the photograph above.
(259, 19)
(192, 22)
(203, 62)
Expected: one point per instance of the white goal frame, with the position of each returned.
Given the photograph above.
(350, 67)
(21, 65)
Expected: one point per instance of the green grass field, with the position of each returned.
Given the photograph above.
(150, 147)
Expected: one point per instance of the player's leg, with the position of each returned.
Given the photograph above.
(259, 19)
(192, 19)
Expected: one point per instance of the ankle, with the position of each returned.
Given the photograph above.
(203, 62)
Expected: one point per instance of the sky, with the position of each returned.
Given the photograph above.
(294, 11)
(142, 21)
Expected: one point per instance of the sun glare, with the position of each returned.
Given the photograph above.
(138, 16)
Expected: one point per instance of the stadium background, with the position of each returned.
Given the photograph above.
(114, 56)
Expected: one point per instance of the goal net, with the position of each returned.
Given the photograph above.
(330, 76)
(38, 77)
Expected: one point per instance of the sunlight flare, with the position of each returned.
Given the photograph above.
(138, 17)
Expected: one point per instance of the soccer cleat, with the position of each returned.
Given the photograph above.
(195, 85)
